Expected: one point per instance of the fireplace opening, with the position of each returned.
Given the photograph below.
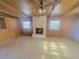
(39, 30)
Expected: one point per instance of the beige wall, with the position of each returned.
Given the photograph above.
(25, 31)
(4, 35)
(11, 31)
(65, 27)
(75, 29)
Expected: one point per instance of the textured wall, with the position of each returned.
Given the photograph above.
(65, 27)
(25, 31)
(11, 31)
(75, 29)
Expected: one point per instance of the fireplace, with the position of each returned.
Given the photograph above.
(39, 30)
(39, 27)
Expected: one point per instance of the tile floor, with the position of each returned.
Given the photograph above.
(32, 48)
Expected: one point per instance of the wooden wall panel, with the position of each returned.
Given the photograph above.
(13, 26)
(11, 31)
(65, 28)
(27, 32)
(4, 34)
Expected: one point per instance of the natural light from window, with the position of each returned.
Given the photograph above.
(54, 25)
(26, 24)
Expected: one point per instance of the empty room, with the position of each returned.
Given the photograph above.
(39, 29)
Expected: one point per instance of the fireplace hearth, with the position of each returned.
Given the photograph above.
(39, 30)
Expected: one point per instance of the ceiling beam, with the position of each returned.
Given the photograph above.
(9, 9)
(7, 15)
(70, 8)
(20, 13)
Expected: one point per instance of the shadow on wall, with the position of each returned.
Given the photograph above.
(75, 29)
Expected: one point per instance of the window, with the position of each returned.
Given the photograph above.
(26, 24)
(54, 24)
(2, 23)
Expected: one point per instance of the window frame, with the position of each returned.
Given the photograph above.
(54, 29)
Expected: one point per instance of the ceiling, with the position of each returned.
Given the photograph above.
(30, 7)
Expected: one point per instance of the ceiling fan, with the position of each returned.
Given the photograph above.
(43, 5)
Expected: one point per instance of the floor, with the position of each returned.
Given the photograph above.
(32, 48)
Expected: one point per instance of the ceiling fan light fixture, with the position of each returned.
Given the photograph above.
(43, 6)
(42, 11)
